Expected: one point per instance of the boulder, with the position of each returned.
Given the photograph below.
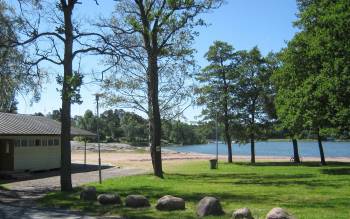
(278, 213)
(109, 199)
(242, 213)
(112, 217)
(136, 201)
(209, 206)
(170, 203)
(88, 194)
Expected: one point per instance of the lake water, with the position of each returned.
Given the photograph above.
(270, 148)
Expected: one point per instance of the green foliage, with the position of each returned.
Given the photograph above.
(313, 82)
(55, 115)
(74, 83)
(236, 88)
(155, 39)
(111, 127)
(306, 190)
(180, 133)
(15, 75)
(215, 80)
(252, 94)
(135, 128)
(122, 126)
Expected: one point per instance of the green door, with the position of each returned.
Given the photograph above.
(6, 154)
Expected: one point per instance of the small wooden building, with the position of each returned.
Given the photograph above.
(31, 142)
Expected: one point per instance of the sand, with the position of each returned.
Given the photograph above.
(127, 156)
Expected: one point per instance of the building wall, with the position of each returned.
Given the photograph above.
(37, 153)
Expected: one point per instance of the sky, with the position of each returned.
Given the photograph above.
(242, 23)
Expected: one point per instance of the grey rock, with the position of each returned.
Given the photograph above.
(242, 213)
(112, 217)
(136, 201)
(209, 206)
(109, 199)
(279, 213)
(88, 194)
(170, 203)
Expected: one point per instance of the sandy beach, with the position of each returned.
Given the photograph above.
(126, 156)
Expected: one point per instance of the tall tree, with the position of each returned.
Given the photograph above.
(55, 115)
(216, 87)
(251, 94)
(134, 128)
(154, 32)
(111, 121)
(15, 76)
(59, 42)
(314, 78)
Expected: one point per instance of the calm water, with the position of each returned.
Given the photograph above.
(306, 149)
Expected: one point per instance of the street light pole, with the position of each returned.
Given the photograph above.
(98, 139)
(217, 143)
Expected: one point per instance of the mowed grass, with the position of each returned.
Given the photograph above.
(306, 191)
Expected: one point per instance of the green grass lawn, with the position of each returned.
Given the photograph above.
(307, 191)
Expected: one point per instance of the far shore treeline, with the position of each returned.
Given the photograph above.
(128, 127)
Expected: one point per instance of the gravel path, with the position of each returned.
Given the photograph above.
(20, 200)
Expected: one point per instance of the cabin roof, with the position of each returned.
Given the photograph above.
(20, 124)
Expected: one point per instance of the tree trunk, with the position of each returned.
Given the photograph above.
(296, 151)
(66, 179)
(154, 116)
(252, 135)
(229, 143)
(323, 161)
(252, 148)
(226, 120)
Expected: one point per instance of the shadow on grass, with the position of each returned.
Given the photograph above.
(306, 164)
(280, 183)
(219, 185)
(9, 177)
(336, 171)
(254, 179)
(70, 200)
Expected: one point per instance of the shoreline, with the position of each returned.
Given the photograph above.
(127, 156)
(129, 160)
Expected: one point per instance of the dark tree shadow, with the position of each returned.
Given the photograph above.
(336, 171)
(9, 177)
(306, 164)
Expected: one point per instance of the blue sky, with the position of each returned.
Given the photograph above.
(242, 23)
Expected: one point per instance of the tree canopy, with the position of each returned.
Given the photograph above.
(313, 81)
(16, 78)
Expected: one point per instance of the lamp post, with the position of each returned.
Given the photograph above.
(217, 142)
(98, 138)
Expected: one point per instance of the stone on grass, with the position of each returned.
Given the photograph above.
(242, 213)
(136, 201)
(109, 199)
(209, 206)
(278, 213)
(112, 217)
(170, 203)
(88, 194)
